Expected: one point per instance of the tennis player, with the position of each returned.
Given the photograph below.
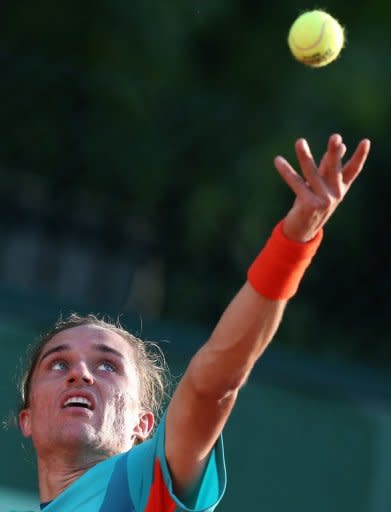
(89, 395)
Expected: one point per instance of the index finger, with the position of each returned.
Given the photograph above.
(308, 166)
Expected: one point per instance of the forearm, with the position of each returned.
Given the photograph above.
(241, 336)
(252, 318)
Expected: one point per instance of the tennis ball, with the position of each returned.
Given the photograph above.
(316, 38)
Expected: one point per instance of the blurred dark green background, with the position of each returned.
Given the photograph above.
(136, 149)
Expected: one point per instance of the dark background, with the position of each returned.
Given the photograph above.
(136, 176)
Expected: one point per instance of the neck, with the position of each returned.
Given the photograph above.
(56, 472)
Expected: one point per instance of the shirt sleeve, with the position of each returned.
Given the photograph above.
(150, 482)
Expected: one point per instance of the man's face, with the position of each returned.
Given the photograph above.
(84, 395)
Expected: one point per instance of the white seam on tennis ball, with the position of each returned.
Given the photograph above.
(313, 45)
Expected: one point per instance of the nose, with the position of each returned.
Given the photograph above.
(80, 373)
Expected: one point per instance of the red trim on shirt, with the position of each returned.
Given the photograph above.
(159, 499)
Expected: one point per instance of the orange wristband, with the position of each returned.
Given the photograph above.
(277, 271)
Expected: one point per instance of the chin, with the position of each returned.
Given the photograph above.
(78, 435)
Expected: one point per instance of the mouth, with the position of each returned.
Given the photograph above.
(77, 411)
(77, 401)
(77, 406)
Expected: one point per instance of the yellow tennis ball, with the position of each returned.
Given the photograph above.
(316, 38)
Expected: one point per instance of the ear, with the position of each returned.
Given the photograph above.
(25, 422)
(144, 426)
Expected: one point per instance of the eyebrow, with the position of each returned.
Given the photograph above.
(99, 347)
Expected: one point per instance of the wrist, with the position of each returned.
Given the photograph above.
(279, 268)
(300, 226)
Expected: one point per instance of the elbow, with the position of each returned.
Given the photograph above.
(217, 376)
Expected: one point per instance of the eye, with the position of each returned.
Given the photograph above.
(58, 365)
(108, 367)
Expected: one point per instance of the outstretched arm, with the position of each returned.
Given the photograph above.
(207, 392)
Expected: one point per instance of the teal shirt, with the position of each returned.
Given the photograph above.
(139, 481)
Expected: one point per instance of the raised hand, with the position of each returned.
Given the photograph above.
(318, 190)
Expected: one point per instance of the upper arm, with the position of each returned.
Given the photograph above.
(194, 423)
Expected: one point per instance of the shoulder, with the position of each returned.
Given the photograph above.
(150, 480)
